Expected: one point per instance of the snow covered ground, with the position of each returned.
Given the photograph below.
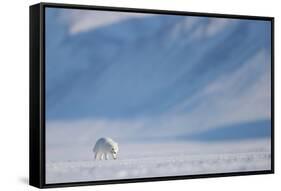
(156, 159)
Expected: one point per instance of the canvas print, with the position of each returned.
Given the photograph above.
(139, 95)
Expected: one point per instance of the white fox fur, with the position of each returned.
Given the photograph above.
(105, 147)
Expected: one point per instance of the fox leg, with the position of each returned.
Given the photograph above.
(96, 156)
(106, 156)
(101, 156)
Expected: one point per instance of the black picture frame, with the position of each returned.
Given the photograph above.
(37, 95)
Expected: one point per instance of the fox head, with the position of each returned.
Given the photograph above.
(114, 150)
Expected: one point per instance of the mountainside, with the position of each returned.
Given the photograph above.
(147, 66)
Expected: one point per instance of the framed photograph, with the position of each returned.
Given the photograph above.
(121, 95)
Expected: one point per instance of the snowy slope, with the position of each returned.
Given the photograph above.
(147, 66)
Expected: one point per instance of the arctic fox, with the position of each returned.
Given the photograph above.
(104, 147)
